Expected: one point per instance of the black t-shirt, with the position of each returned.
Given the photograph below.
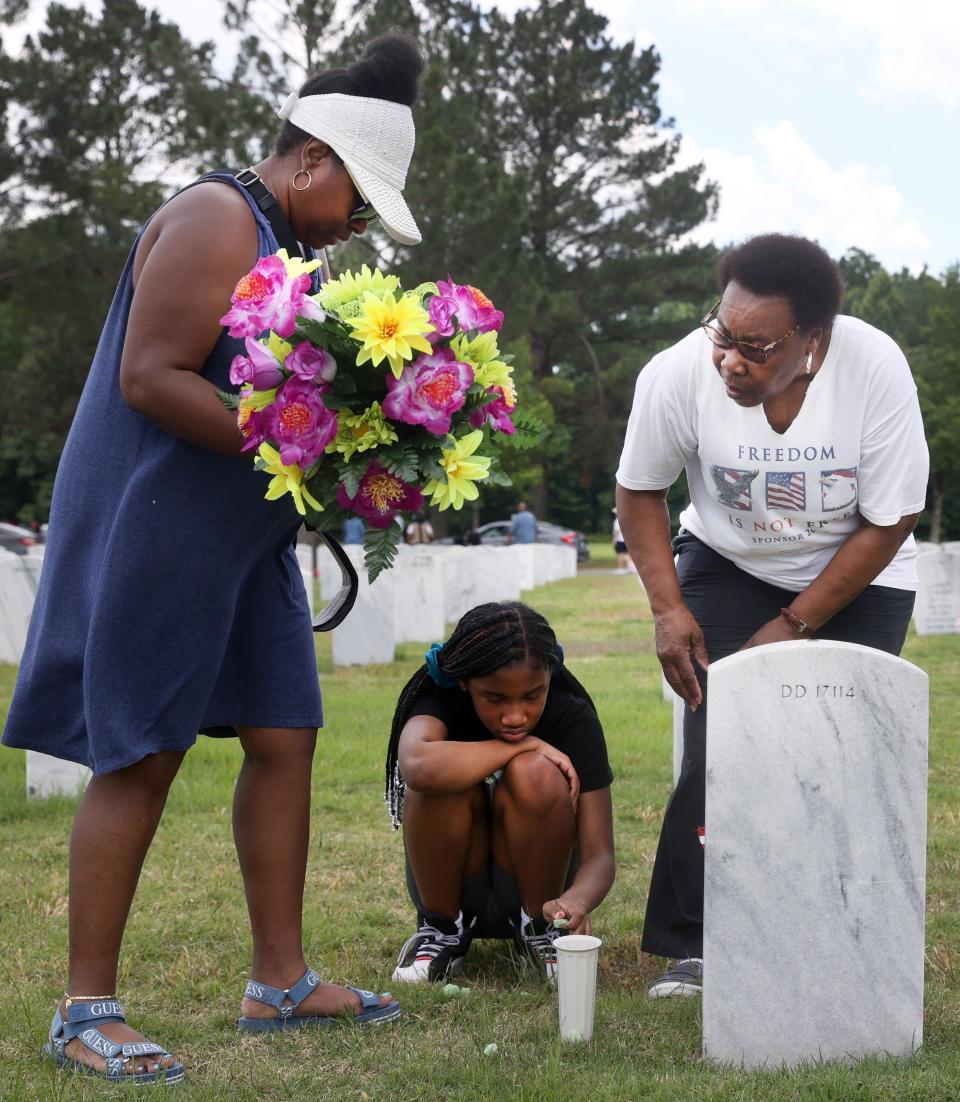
(567, 723)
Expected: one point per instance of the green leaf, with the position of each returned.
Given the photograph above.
(530, 432)
(351, 474)
(343, 383)
(380, 549)
(231, 401)
(497, 478)
(402, 461)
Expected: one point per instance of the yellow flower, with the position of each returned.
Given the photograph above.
(287, 479)
(255, 400)
(462, 473)
(391, 329)
(362, 431)
(296, 265)
(481, 354)
(336, 294)
(279, 347)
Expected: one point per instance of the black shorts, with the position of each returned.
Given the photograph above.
(620, 547)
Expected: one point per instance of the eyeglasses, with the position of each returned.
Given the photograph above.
(366, 211)
(755, 353)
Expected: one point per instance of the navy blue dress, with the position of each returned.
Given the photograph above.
(171, 601)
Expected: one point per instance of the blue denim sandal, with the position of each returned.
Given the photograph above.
(82, 1021)
(287, 1001)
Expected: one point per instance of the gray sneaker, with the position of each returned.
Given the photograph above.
(533, 939)
(685, 978)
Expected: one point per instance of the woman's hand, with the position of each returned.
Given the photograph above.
(570, 908)
(776, 630)
(678, 636)
(560, 760)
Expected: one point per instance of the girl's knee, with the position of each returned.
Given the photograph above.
(534, 783)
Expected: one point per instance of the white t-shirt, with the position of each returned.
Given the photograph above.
(779, 505)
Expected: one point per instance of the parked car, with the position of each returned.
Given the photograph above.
(495, 534)
(16, 539)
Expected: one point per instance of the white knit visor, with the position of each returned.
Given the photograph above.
(374, 138)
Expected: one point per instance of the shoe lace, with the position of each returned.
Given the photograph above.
(429, 941)
(542, 944)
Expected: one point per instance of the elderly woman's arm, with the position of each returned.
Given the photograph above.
(645, 524)
(861, 557)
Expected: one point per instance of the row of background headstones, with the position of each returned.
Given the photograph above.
(428, 587)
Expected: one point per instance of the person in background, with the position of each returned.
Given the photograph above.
(195, 618)
(523, 525)
(419, 530)
(497, 769)
(353, 530)
(623, 559)
(801, 436)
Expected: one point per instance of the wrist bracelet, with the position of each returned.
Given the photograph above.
(798, 625)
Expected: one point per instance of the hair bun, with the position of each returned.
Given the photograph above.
(389, 68)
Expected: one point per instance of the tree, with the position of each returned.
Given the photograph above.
(922, 314)
(107, 106)
(937, 366)
(546, 175)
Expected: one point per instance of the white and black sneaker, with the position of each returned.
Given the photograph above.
(534, 938)
(684, 979)
(435, 951)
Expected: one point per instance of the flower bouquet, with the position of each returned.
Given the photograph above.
(369, 400)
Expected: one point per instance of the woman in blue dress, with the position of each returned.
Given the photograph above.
(171, 602)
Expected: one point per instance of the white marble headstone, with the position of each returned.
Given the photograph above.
(47, 776)
(937, 610)
(418, 600)
(679, 709)
(518, 558)
(814, 856)
(18, 587)
(366, 636)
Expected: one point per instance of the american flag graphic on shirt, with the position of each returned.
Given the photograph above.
(787, 490)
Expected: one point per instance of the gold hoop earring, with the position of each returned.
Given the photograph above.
(301, 172)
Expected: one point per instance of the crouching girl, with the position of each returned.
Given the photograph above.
(498, 771)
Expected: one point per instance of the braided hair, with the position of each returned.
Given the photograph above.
(486, 639)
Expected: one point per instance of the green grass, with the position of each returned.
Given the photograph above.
(186, 951)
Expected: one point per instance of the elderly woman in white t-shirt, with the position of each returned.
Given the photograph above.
(801, 436)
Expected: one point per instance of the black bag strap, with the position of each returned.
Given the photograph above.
(338, 609)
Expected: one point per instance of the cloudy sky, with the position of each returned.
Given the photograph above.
(838, 119)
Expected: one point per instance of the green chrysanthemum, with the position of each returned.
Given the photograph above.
(481, 354)
(362, 431)
(343, 296)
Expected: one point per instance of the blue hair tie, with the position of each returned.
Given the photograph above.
(558, 654)
(432, 659)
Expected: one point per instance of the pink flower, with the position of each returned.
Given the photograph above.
(443, 315)
(250, 421)
(471, 308)
(310, 363)
(496, 414)
(299, 423)
(429, 391)
(380, 496)
(267, 299)
(259, 367)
